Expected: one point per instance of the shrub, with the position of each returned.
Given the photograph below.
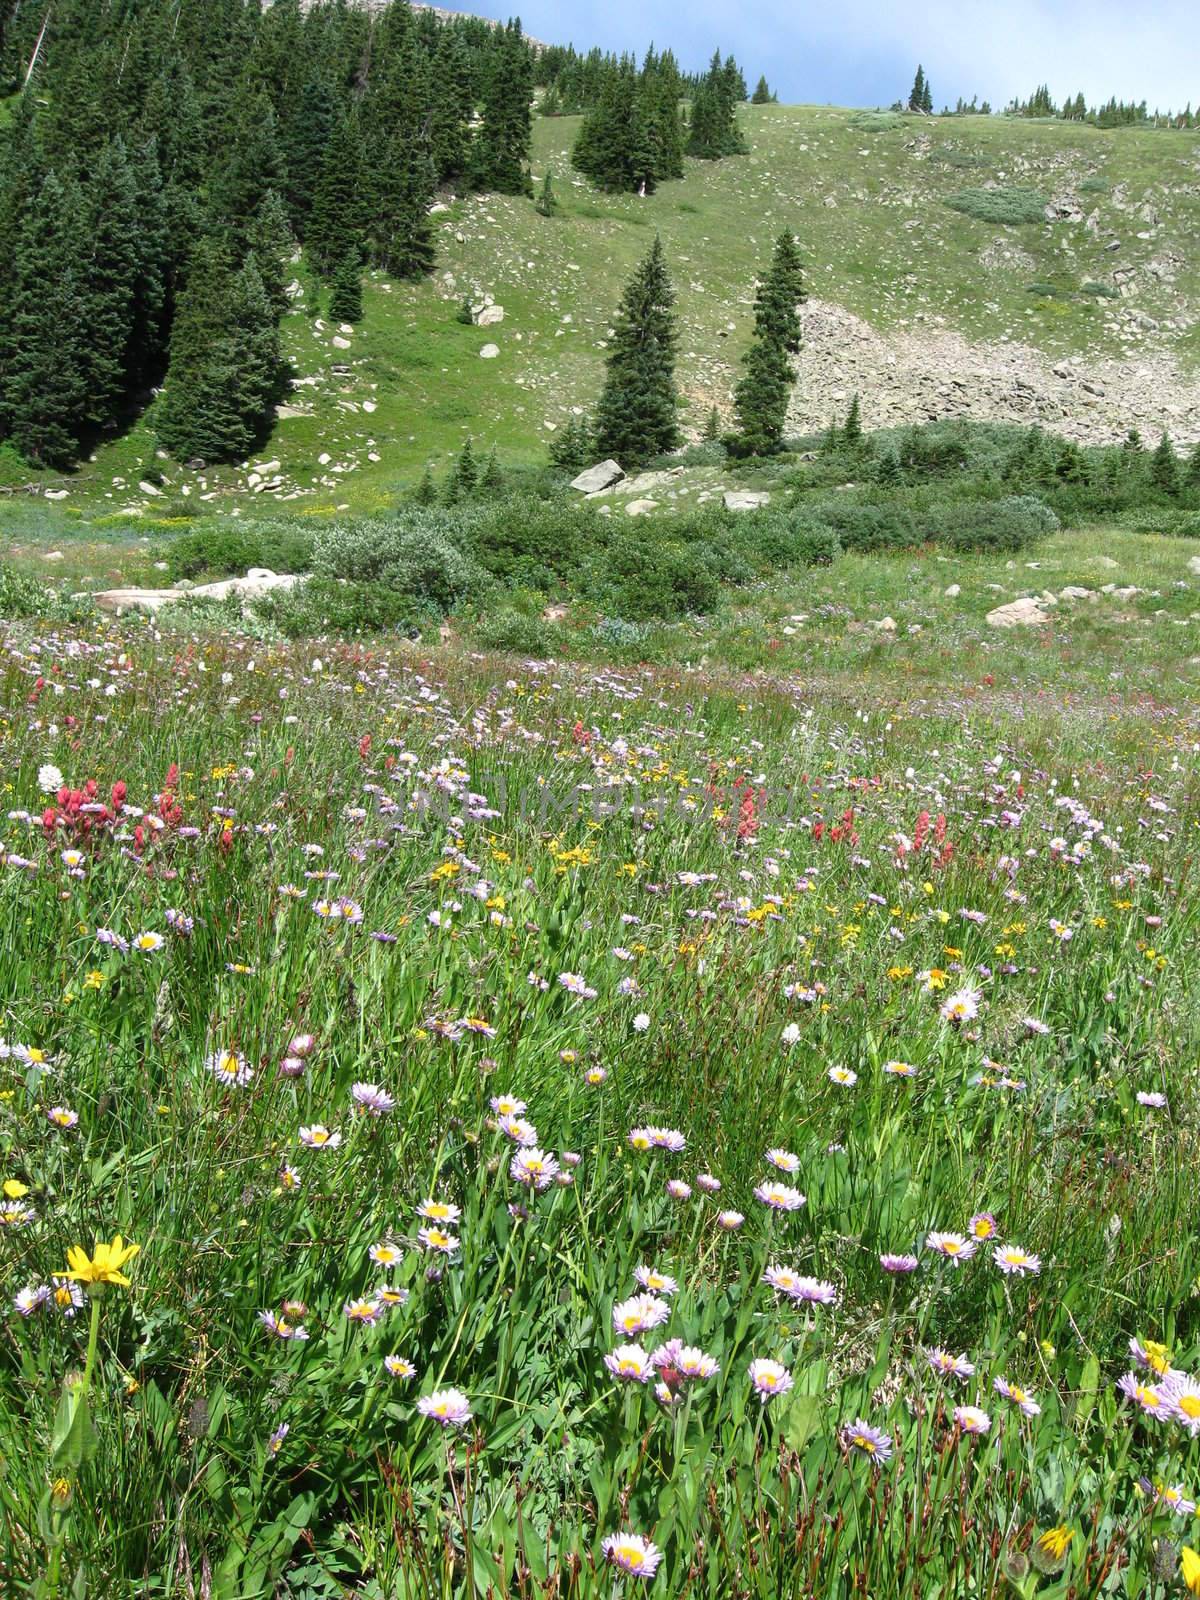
(773, 539)
(863, 527)
(642, 578)
(1048, 291)
(516, 632)
(223, 550)
(1006, 206)
(1106, 290)
(412, 553)
(23, 596)
(324, 605)
(1093, 186)
(526, 540)
(990, 525)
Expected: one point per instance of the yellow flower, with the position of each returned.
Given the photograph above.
(1189, 1569)
(1054, 1542)
(103, 1266)
(60, 1491)
(15, 1190)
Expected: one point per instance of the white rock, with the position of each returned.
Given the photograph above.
(1024, 613)
(368, 405)
(490, 352)
(1074, 591)
(339, 343)
(601, 476)
(149, 488)
(1194, 565)
(52, 555)
(953, 592)
(886, 625)
(56, 494)
(746, 499)
(639, 508)
(490, 316)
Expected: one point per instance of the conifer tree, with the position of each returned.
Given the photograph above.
(1192, 474)
(714, 131)
(345, 295)
(500, 155)
(45, 381)
(637, 416)
(493, 479)
(112, 248)
(224, 360)
(853, 431)
(425, 494)
(916, 95)
(1164, 468)
(762, 95)
(887, 470)
(466, 471)
(270, 241)
(336, 222)
(761, 398)
(712, 428)
(305, 138)
(251, 168)
(547, 201)
(569, 449)
(451, 108)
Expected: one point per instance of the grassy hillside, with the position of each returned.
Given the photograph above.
(865, 193)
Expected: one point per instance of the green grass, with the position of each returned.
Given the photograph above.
(796, 833)
(888, 179)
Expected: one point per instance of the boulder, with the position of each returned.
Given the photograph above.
(601, 476)
(490, 316)
(953, 592)
(257, 582)
(885, 625)
(639, 508)
(490, 352)
(746, 499)
(1075, 591)
(1194, 565)
(1026, 613)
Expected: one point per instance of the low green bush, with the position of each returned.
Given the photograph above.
(517, 633)
(223, 550)
(643, 577)
(23, 596)
(411, 552)
(1008, 525)
(1006, 206)
(773, 539)
(324, 605)
(1106, 291)
(863, 527)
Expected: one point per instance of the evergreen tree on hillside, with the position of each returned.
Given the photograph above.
(713, 131)
(251, 169)
(853, 431)
(571, 447)
(270, 240)
(918, 92)
(304, 140)
(336, 222)
(402, 176)
(345, 295)
(637, 416)
(1192, 474)
(547, 201)
(762, 95)
(500, 155)
(761, 398)
(146, 348)
(224, 363)
(45, 379)
(112, 237)
(451, 108)
(1164, 468)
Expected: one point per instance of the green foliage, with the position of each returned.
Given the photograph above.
(637, 415)
(762, 95)
(640, 576)
(713, 130)
(414, 553)
(547, 200)
(571, 446)
(515, 632)
(1006, 525)
(500, 155)
(1105, 291)
(632, 139)
(225, 549)
(345, 295)
(1007, 206)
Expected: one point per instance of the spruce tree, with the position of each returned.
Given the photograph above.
(112, 237)
(853, 431)
(270, 240)
(493, 479)
(451, 108)
(304, 141)
(466, 472)
(887, 470)
(251, 168)
(345, 295)
(916, 95)
(500, 155)
(712, 428)
(570, 448)
(425, 494)
(714, 131)
(1164, 468)
(1192, 474)
(336, 222)
(45, 376)
(400, 166)
(224, 361)
(762, 95)
(547, 201)
(637, 416)
(761, 398)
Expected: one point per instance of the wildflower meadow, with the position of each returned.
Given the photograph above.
(479, 1128)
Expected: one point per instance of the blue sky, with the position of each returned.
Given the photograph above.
(864, 52)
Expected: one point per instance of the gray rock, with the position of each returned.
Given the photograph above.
(490, 352)
(953, 592)
(746, 499)
(602, 476)
(1025, 613)
(257, 582)
(1074, 591)
(490, 316)
(1194, 565)
(639, 508)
